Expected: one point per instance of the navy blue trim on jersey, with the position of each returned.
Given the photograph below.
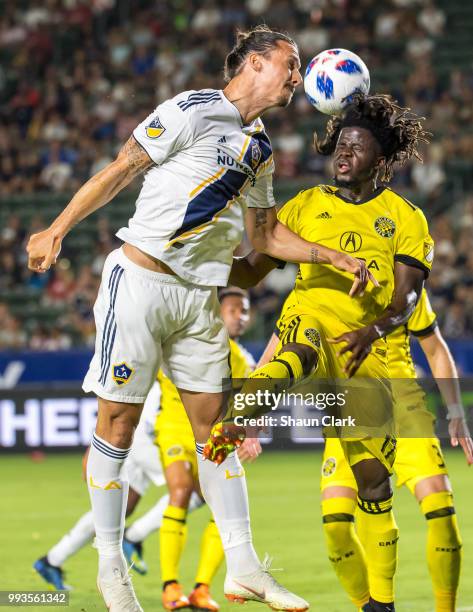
(211, 200)
(199, 98)
(106, 449)
(110, 328)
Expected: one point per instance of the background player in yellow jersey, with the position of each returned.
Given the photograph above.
(177, 449)
(365, 218)
(419, 464)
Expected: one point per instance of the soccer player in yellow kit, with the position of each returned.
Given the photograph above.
(419, 464)
(176, 444)
(365, 218)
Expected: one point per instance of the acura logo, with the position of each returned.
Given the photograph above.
(351, 242)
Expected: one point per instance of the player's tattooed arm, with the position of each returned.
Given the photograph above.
(137, 159)
(43, 248)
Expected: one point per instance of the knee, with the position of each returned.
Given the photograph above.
(117, 424)
(376, 490)
(307, 356)
(373, 480)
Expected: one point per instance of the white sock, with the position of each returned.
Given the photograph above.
(140, 529)
(82, 533)
(224, 489)
(108, 495)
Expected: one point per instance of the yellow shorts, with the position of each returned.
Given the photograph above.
(416, 459)
(177, 444)
(370, 386)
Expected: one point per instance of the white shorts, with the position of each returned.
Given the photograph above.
(146, 320)
(143, 465)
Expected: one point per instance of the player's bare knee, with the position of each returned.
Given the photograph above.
(373, 480)
(116, 422)
(306, 354)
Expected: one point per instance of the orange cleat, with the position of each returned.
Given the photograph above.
(200, 599)
(224, 439)
(173, 597)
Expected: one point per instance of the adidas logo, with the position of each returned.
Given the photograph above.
(324, 215)
(221, 140)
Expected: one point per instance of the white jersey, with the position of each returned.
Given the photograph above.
(209, 168)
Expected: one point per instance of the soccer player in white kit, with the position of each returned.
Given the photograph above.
(209, 166)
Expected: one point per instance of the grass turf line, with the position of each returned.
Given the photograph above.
(41, 501)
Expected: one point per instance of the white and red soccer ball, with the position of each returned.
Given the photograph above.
(331, 79)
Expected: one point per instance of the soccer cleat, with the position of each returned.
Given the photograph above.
(200, 599)
(133, 552)
(118, 593)
(173, 597)
(261, 586)
(224, 439)
(52, 574)
(376, 606)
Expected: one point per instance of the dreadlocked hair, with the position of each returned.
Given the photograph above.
(397, 129)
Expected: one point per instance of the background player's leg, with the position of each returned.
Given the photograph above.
(116, 422)
(345, 551)
(377, 529)
(444, 546)
(140, 529)
(226, 496)
(173, 532)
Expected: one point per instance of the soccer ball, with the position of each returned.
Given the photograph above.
(331, 79)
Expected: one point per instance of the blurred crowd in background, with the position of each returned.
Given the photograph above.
(76, 76)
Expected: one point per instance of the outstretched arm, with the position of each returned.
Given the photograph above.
(269, 236)
(248, 271)
(444, 370)
(408, 283)
(44, 247)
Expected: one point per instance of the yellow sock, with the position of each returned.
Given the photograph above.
(172, 537)
(344, 548)
(378, 532)
(287, 366)
(211, 554)
(444, 546)
(277, 375)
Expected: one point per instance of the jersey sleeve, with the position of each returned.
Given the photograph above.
(423, 320)
(261, 194)
(164, 132)
(415, 246)
(288, 214)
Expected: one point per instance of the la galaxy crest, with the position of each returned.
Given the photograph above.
(155, 128)
(121, 373)
(255, 155)
(385, 227)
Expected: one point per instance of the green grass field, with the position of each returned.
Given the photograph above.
(41, 501)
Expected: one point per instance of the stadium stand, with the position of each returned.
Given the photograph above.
(77, 76)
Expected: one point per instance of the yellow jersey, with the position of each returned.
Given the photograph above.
(422, 322)
(172, 412)
(382, 229)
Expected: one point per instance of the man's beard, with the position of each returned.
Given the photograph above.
(350, 184)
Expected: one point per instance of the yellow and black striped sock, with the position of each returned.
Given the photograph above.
(172, 538)
(211, 554)
(345, 551)
(444, 548)
(378, 533)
